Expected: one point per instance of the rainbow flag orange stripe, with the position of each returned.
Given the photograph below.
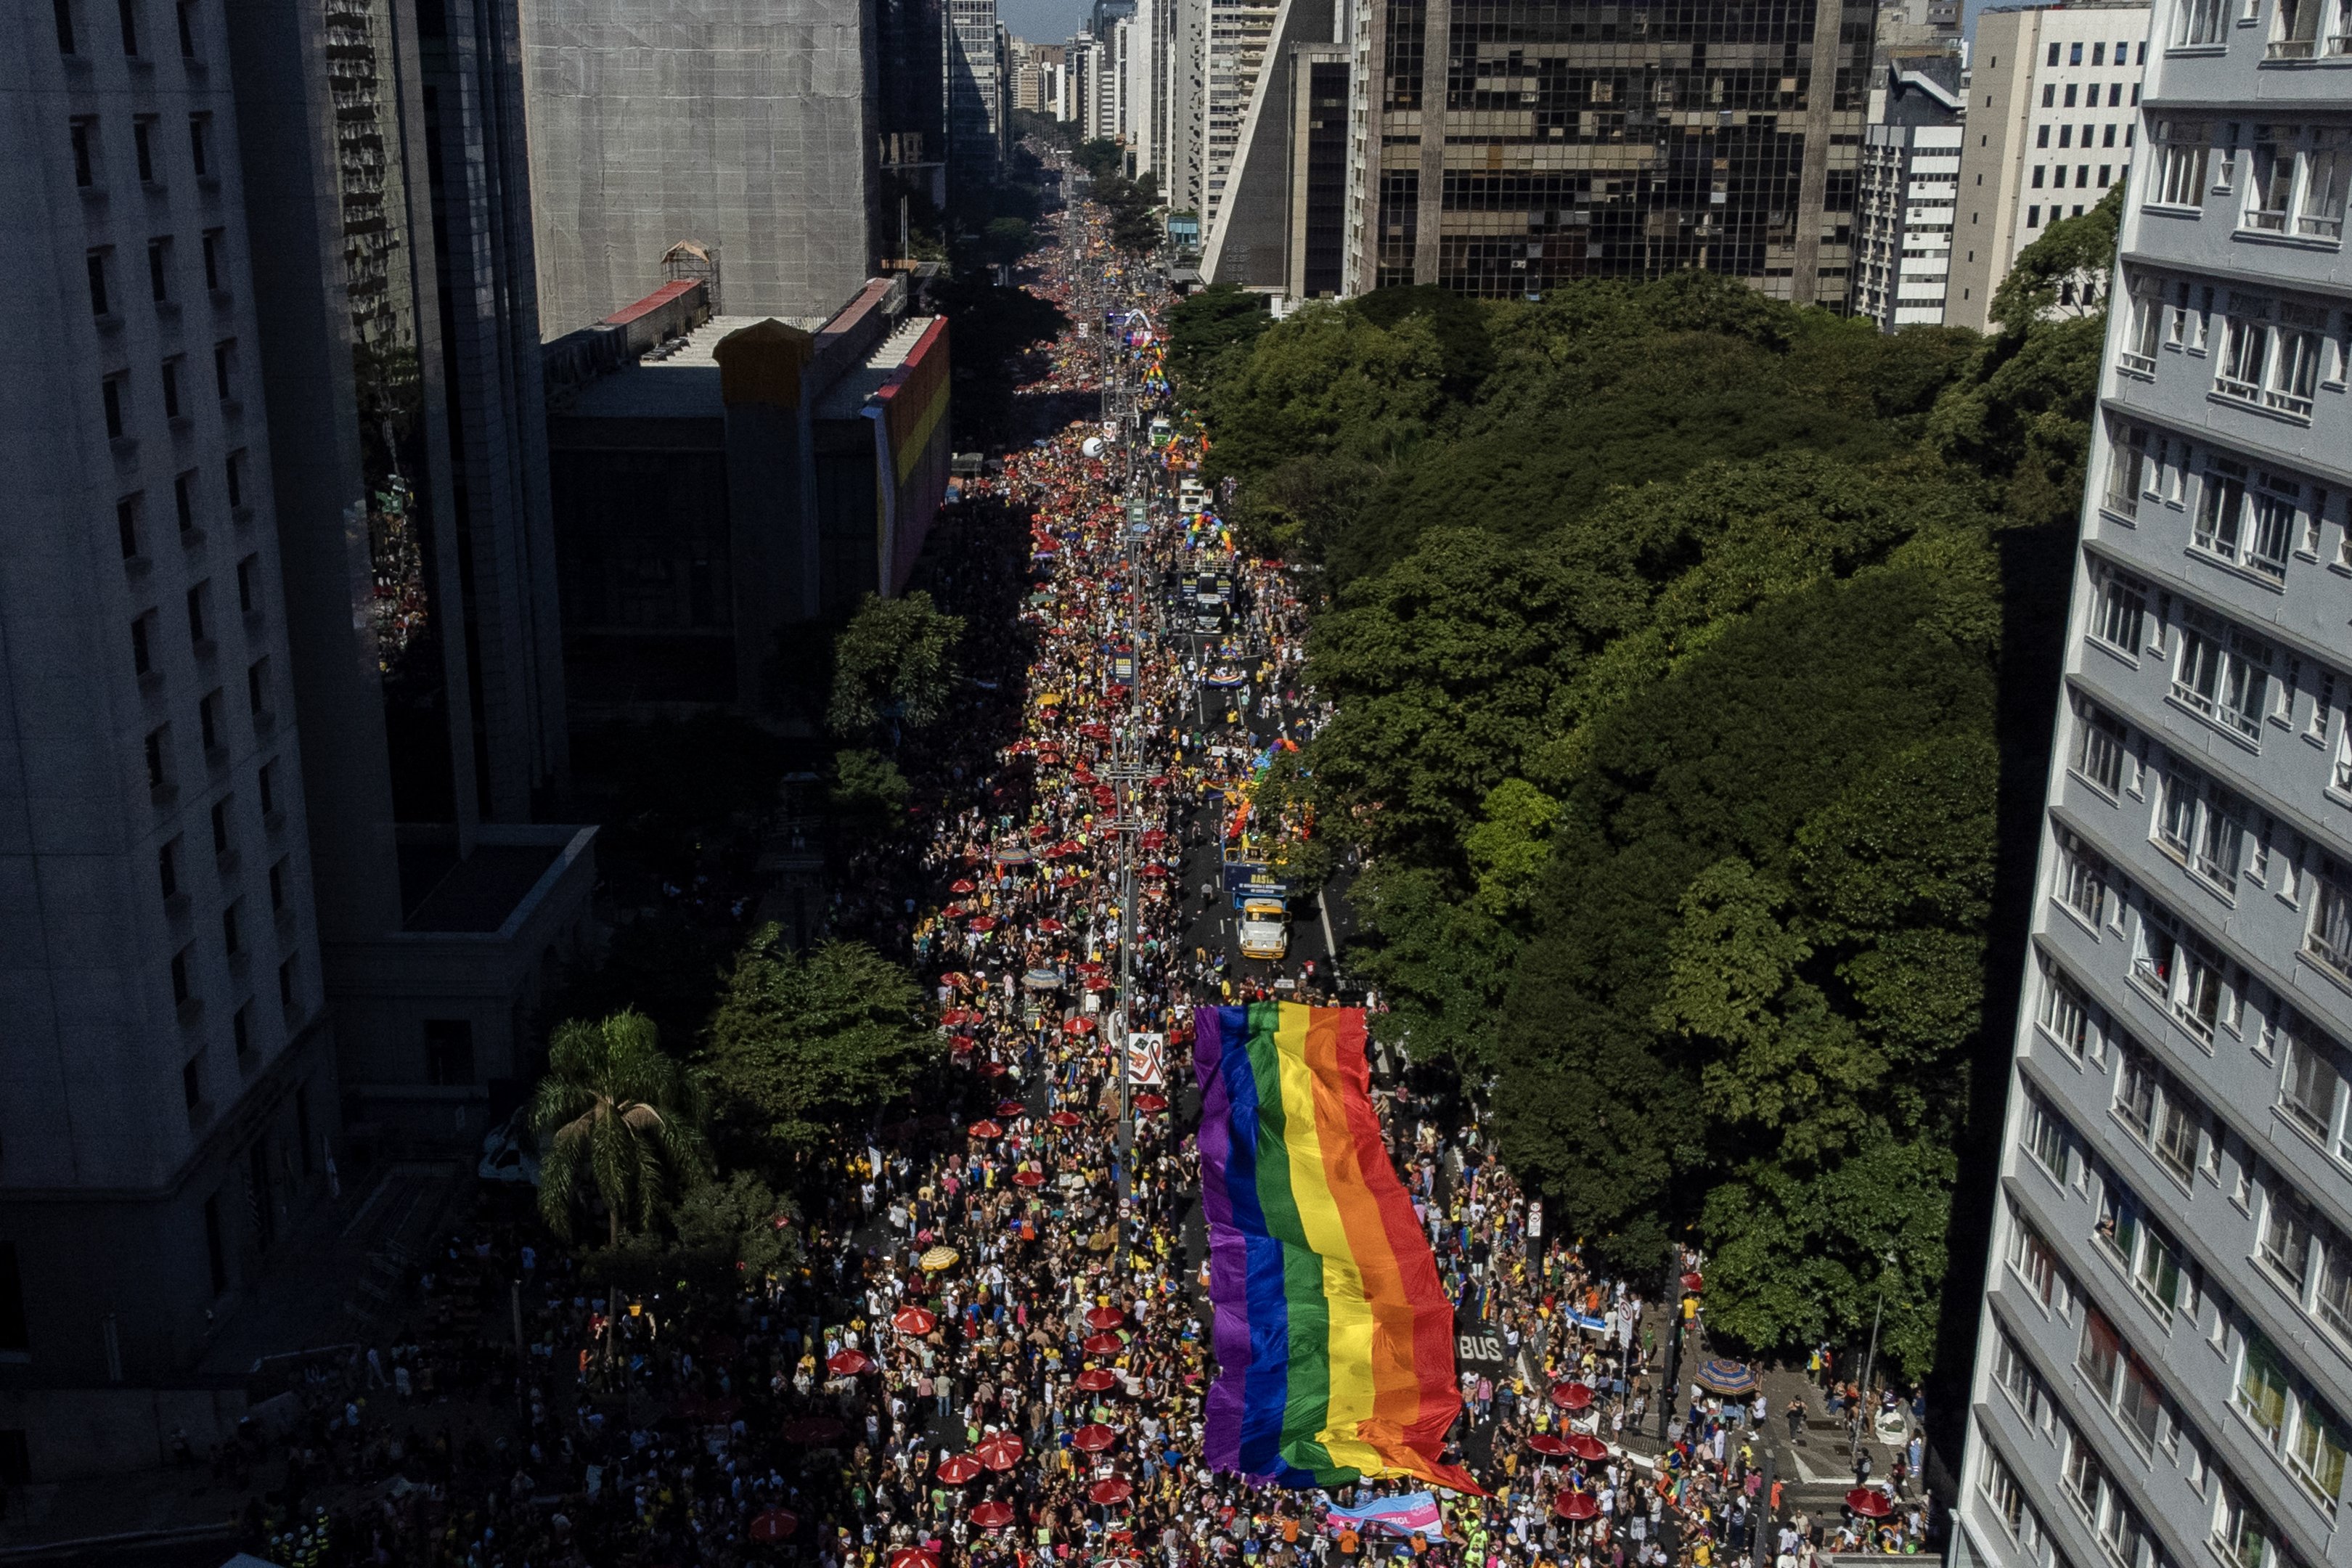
(1335, 1346)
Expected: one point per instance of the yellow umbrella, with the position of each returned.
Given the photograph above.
(939, 1257)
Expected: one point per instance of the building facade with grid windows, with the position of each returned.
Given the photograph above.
(2053, 112)
(2164, 1368)
(1910, 182)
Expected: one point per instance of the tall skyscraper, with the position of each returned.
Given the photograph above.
(1502, 149)
(2053, 114)
(1282, 222)
(168, 1071)
(979, 120)
(1239, 32)
(2164, 1365)
(1910, 186)
(383, 160)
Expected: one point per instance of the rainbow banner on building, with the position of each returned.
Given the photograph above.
(1334, 1345)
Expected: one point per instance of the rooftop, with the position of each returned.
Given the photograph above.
(845, 397)
(675, 380)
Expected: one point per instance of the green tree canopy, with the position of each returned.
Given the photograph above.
(804, 1045)
(620, 1122)
(894, 667)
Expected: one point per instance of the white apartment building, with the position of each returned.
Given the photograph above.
(2053, 114)
(2164, 1366)
(1910, 184)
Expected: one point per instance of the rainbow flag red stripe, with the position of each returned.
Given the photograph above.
(1335, 1346)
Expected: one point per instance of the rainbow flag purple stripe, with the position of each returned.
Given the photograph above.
(1335, 1345)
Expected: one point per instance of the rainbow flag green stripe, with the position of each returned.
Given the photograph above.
(1334, 1345)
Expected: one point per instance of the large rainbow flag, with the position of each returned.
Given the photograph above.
(1335, 1346)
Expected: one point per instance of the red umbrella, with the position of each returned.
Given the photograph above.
(1153, 838)
(1079, 1025)
(847, 1364)
(1150, 1102)
(985, 1129)
(962, 885)
(1693, 1282)
(1065, 1119)
(908, 1557)
(1111, 1491)
(1000, 1452)
(1096, 1380)
(1576, 1505)
(913, 1320)
(1029, 1178)
(1009, 1108)
(1051, 926)
(984, 924)
(990, 1070)
(993, 1515)
(1102, 1344)
(1105, 1318)
(1545, 1442)
(1154, 871)
(1870, 1502)
(959, 1469)
(1587, 1447)
(773, 1524)
(1093, 1437)
(1571, 1395)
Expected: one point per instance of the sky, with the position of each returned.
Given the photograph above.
(1042, 21)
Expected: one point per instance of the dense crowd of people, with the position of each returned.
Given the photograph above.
(991, 1347)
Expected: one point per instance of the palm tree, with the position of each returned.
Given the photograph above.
(616, 1115)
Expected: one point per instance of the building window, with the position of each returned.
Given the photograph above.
(183, 988)
(2184, 147)
(158, 748)
(115, 393)
(212, 249)
(2047, 1140)
(159, 270)
(2120, 1379)
(143, 148)
(2082, 884)
(127, 13)
(171, 379)
(183, 500)
(2223, 675)
(199, 133)
(2064, 1016)
(2328, 936)
(2099, 747)
(126, 526)
(257, 690)
(84, 134)
(2122, 614)
(2198, 23)
(97, 296)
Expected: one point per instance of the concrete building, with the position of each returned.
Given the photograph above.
(980, 120)
(167, 1067)
(721, 479)
(1283, 226)
(744, 128)
(1499, 150)
(1910, 185)
(384, 161)
(1240, 32)
(2164, 1369)
(2053, 96)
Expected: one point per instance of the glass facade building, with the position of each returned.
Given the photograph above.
(1503, 146)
